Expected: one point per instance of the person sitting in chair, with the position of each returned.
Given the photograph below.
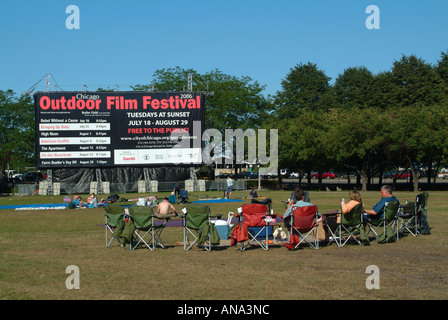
(377, 212)
(331, 221)
(164, 209)
(355, 199)
(305, 194)
(300, 196)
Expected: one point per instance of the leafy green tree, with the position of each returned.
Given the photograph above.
(17, 131)
(442, 67)
(354, 88)
(170, 80)
(420, 135)
(298, 111)
(442, 70)
(232, 102)
(108, 89)
(413, 81)
(357, 138)
(433, 135)
(235, 103)
(303, 141)
(381, 90)
(305, 87)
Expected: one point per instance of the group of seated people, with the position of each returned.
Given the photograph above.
(164, 208)
(299, 198)
(92, 201)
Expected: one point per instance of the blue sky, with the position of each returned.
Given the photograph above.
(123, 42)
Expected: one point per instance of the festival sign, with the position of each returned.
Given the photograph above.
(108, 129)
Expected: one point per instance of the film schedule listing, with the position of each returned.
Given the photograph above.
(75, 143)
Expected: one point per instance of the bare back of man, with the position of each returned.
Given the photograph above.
(164, 208)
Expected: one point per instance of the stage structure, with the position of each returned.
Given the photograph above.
(119, 137)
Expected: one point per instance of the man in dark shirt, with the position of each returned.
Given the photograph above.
(377, 212)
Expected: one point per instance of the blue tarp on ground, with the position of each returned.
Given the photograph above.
(44, 206)
(40, 206)
(217, 201)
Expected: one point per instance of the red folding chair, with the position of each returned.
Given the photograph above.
(253, 215)
(304, 224)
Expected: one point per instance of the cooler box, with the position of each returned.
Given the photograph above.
(255, 230)
(223, 229)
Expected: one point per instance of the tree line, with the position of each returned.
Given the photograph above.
(363, 122)
(16, 131)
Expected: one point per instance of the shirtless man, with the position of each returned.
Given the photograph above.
(164, 208)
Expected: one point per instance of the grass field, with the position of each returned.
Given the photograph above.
(38, 246)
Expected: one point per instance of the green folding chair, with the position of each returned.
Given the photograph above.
(350, 226)
(198, 228)
(114, 215)
(148, 229)
(389, 224)
(413, 216)
(422, 215)
(424, 203)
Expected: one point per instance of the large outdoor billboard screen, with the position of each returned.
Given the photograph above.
(108, 129)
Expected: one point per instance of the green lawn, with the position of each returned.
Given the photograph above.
(38, 246)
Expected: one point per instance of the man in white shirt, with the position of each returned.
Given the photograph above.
(229, 189)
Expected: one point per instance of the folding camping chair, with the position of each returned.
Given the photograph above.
(411, 214)
(254, 215)
(304, 224)
(389, 220)
(147, 232)
(422, 214)
(197, 224)
(350, 225)
(183, 196)
(114, 215)
(267, 202)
